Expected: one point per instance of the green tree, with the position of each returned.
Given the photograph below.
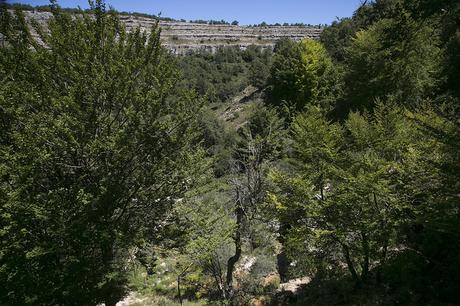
(94, 152)
(397, 58)
(302, 74)
(433, 186)
(346, 192)
(261, 143)
(258, 73)
(337, 37)
(210, 227)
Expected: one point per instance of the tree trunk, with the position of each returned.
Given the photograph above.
(365, 265)
(110, 303)
(386, 239)
(350, 264)
(383, 259)
(216, 271)
(283, 261)
(237, 240)
(178, 290)
(321, 187)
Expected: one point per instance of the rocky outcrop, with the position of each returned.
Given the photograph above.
(180, 37)
(294, 284)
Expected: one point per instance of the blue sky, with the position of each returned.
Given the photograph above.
(245, 11)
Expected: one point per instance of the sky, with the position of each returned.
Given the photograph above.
(244, 11)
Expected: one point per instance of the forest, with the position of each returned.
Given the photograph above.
(313, 173)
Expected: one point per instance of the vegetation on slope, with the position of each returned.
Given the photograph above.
(210, 179)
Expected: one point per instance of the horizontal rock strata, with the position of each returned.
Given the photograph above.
(180, 37)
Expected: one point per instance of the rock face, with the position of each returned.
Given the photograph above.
(180, 37)
(294, 284)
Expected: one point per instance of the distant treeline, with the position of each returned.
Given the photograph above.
(40, 8)
(298, 24)
(47, 8)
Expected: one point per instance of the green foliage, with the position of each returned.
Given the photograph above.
(209, 230)
(395, 48)
(95, 150)
(397, 58)
(219, 140)
(379, 187)
(102, 172)
(225, 73)
(452, 63)
(337, 37)
(348, 187)
(161, 287)
(302, 74)
(258, 73)
(264, 133)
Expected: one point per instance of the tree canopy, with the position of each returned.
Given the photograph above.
(95, 150)
(314, 173)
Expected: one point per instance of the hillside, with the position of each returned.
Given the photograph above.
(320, 171)
(182, 36)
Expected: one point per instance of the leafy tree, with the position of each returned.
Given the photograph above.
(95, 150)
(337, 37)
(261, 142)
(433, 187)
(258, 73)
(394, 57)
(225, 73)
(302, 74)
(207, 216)
(347, 191)
(452, 64)
(101, 161)
(390, 195)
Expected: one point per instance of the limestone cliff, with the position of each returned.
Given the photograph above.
(180, 37)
